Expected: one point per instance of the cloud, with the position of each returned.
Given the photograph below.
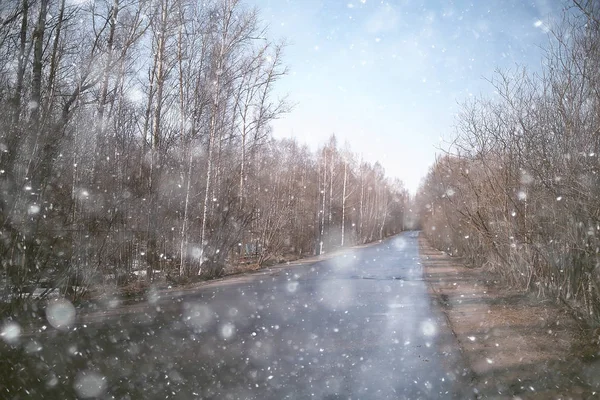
(384, 19)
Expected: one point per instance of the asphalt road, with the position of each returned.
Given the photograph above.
(358, 326)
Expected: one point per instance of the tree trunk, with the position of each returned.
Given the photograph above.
(21, 64)
(323, 203)
(38, 53)
(155, 154)
(54, 60)
(344, 202)
(114, 13)
(209, 162)
(361, 205)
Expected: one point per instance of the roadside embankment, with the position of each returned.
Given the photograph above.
(517, 345)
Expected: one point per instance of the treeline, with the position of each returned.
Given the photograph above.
(135, 137)
(519, 191)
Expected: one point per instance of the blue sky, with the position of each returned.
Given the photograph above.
(387, 76)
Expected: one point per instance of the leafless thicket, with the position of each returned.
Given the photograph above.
(519, 191)
(135, 139)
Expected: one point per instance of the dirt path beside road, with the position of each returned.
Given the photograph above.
(517, 345)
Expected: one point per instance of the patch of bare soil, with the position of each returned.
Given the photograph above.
(518, 346)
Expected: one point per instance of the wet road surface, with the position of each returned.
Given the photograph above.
(358, 326)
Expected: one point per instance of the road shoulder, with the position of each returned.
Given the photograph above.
(516, 345)
(111, 305)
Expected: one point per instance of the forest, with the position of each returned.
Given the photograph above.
(518, 188)
(137, 147)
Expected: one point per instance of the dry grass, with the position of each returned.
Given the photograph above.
(241, 268)
(517, 345)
